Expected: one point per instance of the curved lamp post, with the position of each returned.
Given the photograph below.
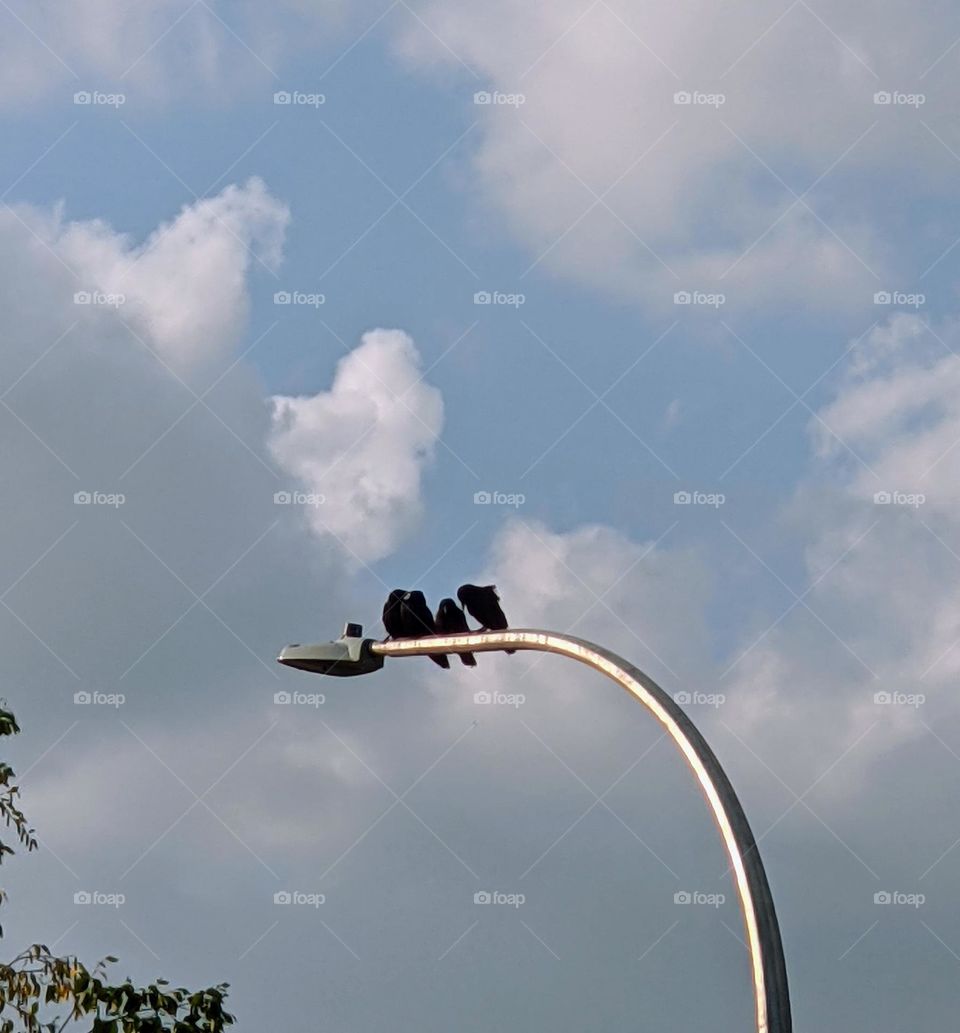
(352, 654)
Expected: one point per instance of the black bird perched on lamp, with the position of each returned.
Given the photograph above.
(483, 605)
(416, 621)
(392, 616)
(452, 621)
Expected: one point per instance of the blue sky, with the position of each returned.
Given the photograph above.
(819, 613)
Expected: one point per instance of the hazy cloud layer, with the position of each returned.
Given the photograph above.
(157, 51)
(654, 151)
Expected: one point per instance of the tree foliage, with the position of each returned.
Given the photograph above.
(43, 993)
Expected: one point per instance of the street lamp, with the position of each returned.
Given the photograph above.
(352, 654)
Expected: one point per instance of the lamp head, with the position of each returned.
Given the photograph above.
(349, 655)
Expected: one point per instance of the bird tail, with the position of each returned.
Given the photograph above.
(441, 660)
(468, 660)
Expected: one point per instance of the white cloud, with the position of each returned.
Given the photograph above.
(642, 599)
(881, 576)
(87, 408)
(597, 583)
(364, 444)
(698, 193)
(179, 598)
(156, 49)
(880, 616)
(900, 411)
(185, 286)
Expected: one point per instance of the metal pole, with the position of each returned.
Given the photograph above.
(763, 933)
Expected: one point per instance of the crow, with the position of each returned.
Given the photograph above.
(392, 616)
(451, 621)
(417, 621)
(483, 604)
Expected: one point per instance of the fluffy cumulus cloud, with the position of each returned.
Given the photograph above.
(594, 582)
(147, 586)
(860, 660)
(659, 149)
(874, 644)
(184, 288)
(647, 600)
(102, 399)
(360, 449)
